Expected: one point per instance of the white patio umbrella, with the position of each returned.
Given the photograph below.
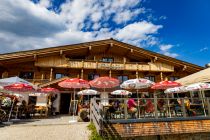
(139, 83)
(180, 89)
(13, 80)
(121, 92)
(88, 92)
(199, 87)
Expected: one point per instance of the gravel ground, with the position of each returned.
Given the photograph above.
(45, 129)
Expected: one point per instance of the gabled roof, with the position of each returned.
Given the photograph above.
(60, 49)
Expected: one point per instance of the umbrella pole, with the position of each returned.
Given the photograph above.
(139, 115)
(73, 120)
(10, 113)
(202, 99)
(169, 109)
(74, 105)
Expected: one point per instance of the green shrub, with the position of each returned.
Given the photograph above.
(94, 134)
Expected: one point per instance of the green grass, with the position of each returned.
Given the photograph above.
(94, 134)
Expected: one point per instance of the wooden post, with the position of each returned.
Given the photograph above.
(42, 76)
(208, 105)
(82, 63)
(137, 74)
(34, 77)
(183, 108)
(155, 103)
(51, 74)
(124, 59)
(82, 71)
(161, 76)
(125, 109)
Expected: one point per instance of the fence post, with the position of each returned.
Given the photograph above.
(183, 108)
(155, 103)
(101, 113)
(91, 107)
(125, 109)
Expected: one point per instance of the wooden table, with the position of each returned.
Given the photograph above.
(42, 109)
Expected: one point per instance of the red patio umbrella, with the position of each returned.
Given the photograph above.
(49, 90)
(104, 82)
(19, 87)
(74, 83)
(165, 85)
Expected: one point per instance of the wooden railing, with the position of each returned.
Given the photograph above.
(95, 115)
(162, 117)
(153, 108)
(120, 66)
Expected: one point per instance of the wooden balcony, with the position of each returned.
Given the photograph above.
(171, 118)
(120, 66)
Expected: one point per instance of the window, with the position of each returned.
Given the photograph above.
(26, 75)
(122, 78)
(59, 75)
(32, 100)
(107, 59)
(92, 76)
(174, 78)
(151, 78)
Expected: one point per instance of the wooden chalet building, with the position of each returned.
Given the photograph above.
(46, 67)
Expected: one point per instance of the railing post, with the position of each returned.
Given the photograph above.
(91, 107)
(125, 109)
(208, 105)
(183, 108)
(155, 103)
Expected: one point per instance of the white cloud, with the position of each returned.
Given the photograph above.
(165, 49)
(25, 25)
(126, 15)
(24, 18)
(45, 3)
(137, 31)
(204, 49)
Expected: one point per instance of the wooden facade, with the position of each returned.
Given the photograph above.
(45, 67)
(103, 58)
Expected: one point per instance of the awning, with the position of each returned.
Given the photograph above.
(201, 76)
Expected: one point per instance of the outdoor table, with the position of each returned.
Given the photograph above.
(43, 110)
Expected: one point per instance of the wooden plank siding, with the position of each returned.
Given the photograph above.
(157, 128)
(63, 63)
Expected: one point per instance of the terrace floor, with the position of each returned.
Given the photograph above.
(45, 129)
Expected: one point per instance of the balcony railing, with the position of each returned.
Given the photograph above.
(120, 66)
(148, 109)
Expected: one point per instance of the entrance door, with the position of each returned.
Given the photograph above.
(64, 104)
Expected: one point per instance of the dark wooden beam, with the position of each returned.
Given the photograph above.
(89, 50)
(108, 48)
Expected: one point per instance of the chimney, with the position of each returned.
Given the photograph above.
(207, 65)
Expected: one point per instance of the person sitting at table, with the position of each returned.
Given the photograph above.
(187, 106)
(142, 104)
(161, 106)
(114, 105)
(132, 107)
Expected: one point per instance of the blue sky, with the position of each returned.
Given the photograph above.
(177, 28)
